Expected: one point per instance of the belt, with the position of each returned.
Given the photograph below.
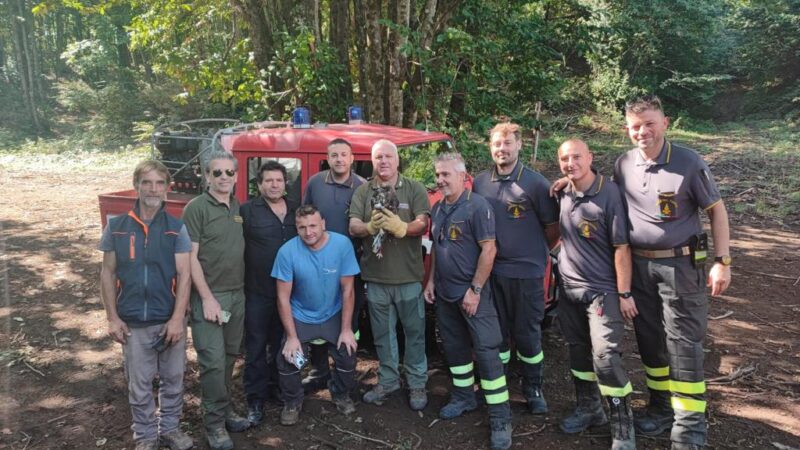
(668, 253)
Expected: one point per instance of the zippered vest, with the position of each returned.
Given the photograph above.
(145, 267)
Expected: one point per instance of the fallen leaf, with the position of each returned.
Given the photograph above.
(19, 319)
(100, 442)
(6, 431)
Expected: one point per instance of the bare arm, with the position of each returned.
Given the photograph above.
(429, 292)
(485, 262)
(117, 329)
(175, 326)
(346, 336)
(623, 266)
(418, 226)
(292, 344)
(719, 277)
(552, 233)
(358, 228)
(211, 308)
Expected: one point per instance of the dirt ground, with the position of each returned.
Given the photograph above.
(63, 386)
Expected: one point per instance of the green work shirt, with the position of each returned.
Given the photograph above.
(402, 258)
(218, 230)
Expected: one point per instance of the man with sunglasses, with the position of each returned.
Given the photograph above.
(217, 317)
(461, 262)
(269, 221)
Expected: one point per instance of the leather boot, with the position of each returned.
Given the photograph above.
(622, 431)
(501, 434)
(588, 411)
(658, 417)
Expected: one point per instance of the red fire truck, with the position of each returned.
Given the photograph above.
(298, 145)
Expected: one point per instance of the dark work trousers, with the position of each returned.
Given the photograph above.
(343, 379)
(592, 325)
(520, 308)
(670, 330)
(319, 353)
(458, 331)
(263, 333)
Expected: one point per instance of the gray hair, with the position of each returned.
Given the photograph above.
(383, 143)
(452, 156)
(220, 154)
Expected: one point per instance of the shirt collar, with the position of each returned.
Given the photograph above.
(374, 181)
(349, 183)
(514, 175)
(663, 156)
(593, 190)
(214, 201)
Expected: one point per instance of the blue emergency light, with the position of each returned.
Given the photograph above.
(301, 118)
(355, 115)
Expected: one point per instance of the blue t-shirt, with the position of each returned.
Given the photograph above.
(315, 276)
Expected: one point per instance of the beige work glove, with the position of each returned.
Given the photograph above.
(373, 226)
(392, 223)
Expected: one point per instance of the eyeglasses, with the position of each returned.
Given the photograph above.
(218, 172)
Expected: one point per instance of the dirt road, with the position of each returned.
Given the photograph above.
(62, 382)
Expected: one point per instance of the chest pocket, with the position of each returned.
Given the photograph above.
(455, 231)
(517, 208)
(588, 227)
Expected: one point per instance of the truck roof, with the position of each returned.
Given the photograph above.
(316, 139)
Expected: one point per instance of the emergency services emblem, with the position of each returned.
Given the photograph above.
(667, 206)
(515, 209)
(454, 232)
(587, 228)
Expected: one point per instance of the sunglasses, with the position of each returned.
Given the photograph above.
(218, 172)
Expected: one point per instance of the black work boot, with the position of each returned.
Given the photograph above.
(536, 402)
(501, 434)
(622, 432)
(588, 411)
(658, 416)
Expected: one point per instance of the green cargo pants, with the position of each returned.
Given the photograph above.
(217, 347)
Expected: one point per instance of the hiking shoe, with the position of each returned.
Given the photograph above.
(457, 407)
(218, 439)
(290, 415)
(255, 412)
(501, 434)
(344, 404)
(378, 394)
(236, 423)
(143, 444)
(685, 446)
(536, 401)
(653, 422)
(176, 440)
(417, 399)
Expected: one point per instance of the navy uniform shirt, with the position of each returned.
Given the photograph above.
(264, 234)
(457, 231)
(592, 224)
(522, 207)
(332, 199)
(663, 196)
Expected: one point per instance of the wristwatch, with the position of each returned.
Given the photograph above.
(476, 289)
(626, 294)
(725, 260)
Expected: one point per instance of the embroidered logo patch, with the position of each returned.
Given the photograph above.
(587, 228)
(515, 209)
(667, 206)
(454, 232)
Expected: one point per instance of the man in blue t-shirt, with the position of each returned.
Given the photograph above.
(314, 273)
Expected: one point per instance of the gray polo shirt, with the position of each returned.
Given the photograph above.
(663, 196)
(332, 199)
(592, 224)
(522, 207)
(457, 231)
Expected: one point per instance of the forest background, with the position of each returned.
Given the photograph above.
(88, 75)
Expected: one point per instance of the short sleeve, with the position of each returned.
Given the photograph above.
(703, 188)
(546, 207)
(106, 243)
(420, 204)
(349, 262)
(616, 218)
(483, 225)
(282, 268)
(308, 195)
(192, 217)
(358, 202)
(184, 242)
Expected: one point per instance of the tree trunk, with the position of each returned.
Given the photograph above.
(360, 27)
(3, 65)
(61, 44)
(339, 32)
(24, 63)
(397, 61)
(258, 31)
(375, 70)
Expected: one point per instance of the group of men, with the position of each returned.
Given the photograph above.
(293, 279)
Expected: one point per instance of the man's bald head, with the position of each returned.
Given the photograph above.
(575, 162)
(574, 144)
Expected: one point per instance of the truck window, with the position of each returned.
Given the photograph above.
(362, 167)
(416, 161)
(294, 168)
